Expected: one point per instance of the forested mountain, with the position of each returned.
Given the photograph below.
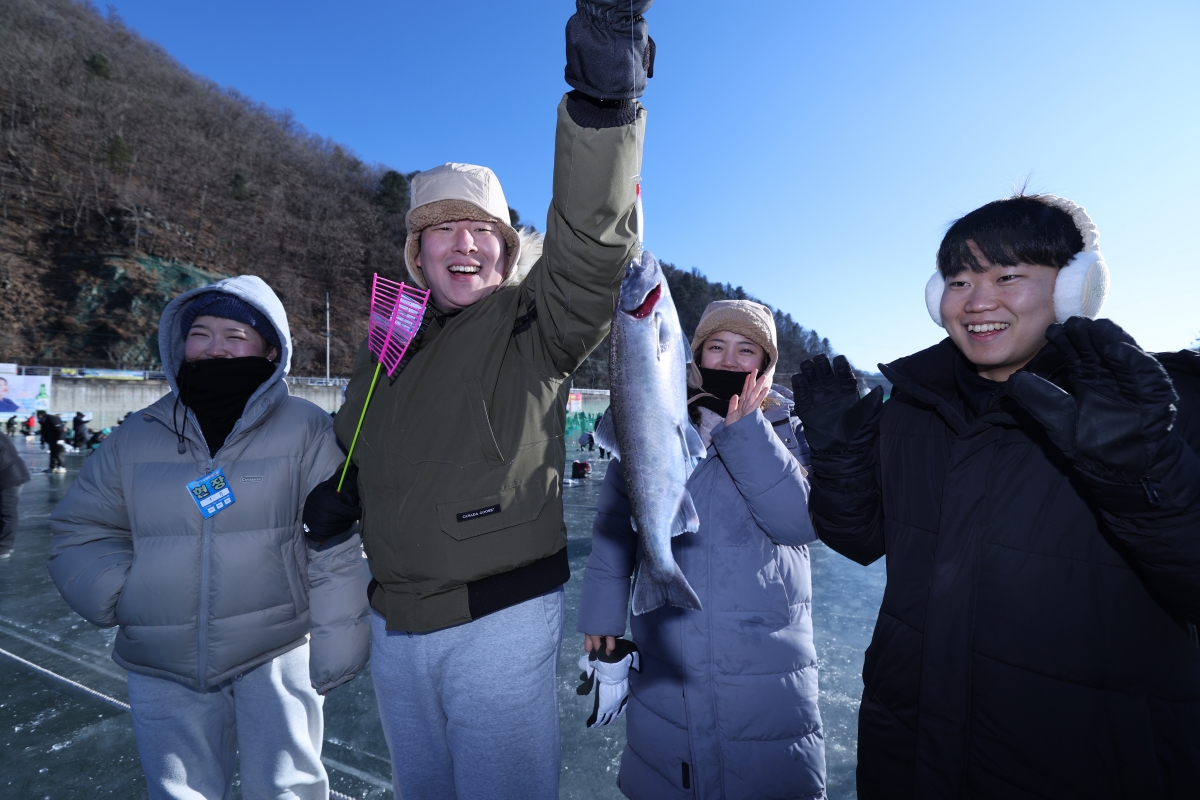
(125, 179)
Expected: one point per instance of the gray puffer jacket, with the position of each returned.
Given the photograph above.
(200, 601)
(725, 705)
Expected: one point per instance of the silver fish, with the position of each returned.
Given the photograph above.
(647, 427)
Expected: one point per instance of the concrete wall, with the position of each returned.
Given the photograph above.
(109, 400)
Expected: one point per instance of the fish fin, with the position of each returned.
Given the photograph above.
(665, 338)
(606, 435)
(633, 523)
(686, 519)
(649, 594)
(687, 349)
(693, 445)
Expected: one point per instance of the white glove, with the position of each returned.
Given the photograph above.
(609, 672)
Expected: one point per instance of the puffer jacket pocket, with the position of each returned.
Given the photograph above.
(475, 516)
(482, 423)
(295, 584)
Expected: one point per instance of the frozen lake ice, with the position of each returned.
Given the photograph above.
(61, 742)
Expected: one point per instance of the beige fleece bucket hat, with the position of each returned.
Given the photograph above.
(746, 317)
(453, 192)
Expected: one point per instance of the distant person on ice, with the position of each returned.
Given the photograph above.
(460, 459)
(13, 475)
(725, 702)
(52, 435)
(81, 432)
(184, 528)
(1035, 486)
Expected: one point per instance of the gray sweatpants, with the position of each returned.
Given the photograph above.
(271, 716)
(471, 712)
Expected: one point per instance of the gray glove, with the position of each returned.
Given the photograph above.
(608, 673)
(609, 52)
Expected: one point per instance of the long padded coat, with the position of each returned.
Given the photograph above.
(1034, 637)
(725, 705)
(202, 600)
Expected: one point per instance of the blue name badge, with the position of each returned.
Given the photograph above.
(211, 493)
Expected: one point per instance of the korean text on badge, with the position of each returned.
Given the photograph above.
(211, 493)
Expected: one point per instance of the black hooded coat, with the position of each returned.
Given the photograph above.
(1035, 637)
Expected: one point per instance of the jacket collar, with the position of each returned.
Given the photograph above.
(928, 376)
(177, 417)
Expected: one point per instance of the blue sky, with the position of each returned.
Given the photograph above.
(813, 153)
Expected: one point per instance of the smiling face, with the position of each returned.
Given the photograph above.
(217, 337)
(998, 318)
(731, 351)
(462, 261)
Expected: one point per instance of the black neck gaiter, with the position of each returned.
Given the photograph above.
(722, 385)
(217, 389)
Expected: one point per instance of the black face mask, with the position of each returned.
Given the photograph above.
(723, 385)
(217, 389)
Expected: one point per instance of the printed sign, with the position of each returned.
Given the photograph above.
(574, 401)
(110, 374)
(24, 394)
(211, 493)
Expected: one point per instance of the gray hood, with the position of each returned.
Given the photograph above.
(250, 288)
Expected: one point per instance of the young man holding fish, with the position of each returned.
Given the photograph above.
(722, 684)
(459, 462)
(1034, 483)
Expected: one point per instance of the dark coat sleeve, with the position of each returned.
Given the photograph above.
(604, 605)
(847, 503)
(1161, 534)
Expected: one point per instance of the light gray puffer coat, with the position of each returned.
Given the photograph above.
(200, 601)
(725, 705)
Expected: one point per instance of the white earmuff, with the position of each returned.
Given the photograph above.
(1081, 286)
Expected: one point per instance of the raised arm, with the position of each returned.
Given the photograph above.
(590, 236)
(1120, 427)
(591, 228)
(843, 432)
(768, 477)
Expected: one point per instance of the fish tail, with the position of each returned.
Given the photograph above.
(650, 591)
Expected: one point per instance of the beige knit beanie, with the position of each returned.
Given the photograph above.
(454, 192)
(746, 317)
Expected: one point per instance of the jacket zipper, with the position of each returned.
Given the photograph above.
(206, 528)
(206, 544)
(205, 548)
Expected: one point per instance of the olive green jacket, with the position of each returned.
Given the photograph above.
(460, 456)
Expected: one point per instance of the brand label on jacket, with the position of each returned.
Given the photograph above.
(477, 513)
(211, 493)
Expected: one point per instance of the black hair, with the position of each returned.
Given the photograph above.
(1017, 230)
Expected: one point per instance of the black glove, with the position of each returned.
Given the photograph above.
(1118, 420)
(327, 512)
(609, 52)
(827, 402)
